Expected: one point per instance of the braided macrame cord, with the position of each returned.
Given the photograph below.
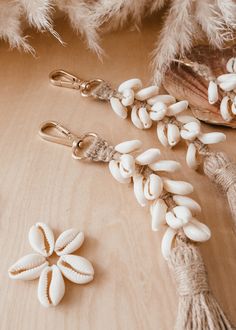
(198, 309)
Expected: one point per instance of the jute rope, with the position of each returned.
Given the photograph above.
(100, 150)
(198, 309)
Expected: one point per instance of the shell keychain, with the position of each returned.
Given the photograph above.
(146, 106)
(170, 208)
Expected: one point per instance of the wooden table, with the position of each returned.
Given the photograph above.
(133, 288)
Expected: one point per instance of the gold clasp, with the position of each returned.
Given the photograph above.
(63, 78)
(69, 139)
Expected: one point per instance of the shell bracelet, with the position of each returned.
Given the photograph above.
(170, 208)
(146, 106)
(51, 286)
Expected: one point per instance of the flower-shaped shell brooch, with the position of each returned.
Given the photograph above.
(51, 286)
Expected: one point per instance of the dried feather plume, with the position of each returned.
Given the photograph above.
(185, 19)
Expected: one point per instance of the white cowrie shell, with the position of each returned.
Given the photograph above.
(173, 221)
(211, 138)
(145, 118)
(190, 131)
(115, 171)
(158, 111)
(118, 107)
(167, 241)
(191, 157)
(158, 212)
(227, 77)
(130, 84)
(229, 84)
(161, 133)
(177, 187)
(76, 269)
(231, 65)
(165, 165)
(41, 239)
(28, 267)
(183, 213)
(135, 118)
(173, 134)
(127, 165)
(51, 287)
(212, 92)
(197, 231)
(167, 99)
(192, 205)
(138, 181)
(233, 106)
(148, 157)
(176, 108)
(153, 187)
(225, 109)
(187, 119)
(69, 241)
(146, 93)
(127, 97)
(128, 146)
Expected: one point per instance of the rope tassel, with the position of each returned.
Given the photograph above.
(219, 168)
(198, 308)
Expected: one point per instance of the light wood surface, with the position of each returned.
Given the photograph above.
(39, 181)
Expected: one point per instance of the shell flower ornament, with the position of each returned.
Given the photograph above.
(51, 286)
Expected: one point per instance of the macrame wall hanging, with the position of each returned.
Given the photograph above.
(170, 208)
(183, 20)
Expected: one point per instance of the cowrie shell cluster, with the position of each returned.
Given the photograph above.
(51, 286)
(151, 187)
(146, 106)
(227, 83)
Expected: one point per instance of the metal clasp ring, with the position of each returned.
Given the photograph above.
(69, 139)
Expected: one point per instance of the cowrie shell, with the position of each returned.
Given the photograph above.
(115, 172)
(190, 131)
(128, 146)
(167, 242)
(28, 267)
(191, 204)
(144, 118)
(130, 84)
(135, 118)
(227, 77)
(212, 92)
(158, 212)
(146, 93)
(51, 287)
(127, 97)
(231, 65)
(177, 187)
(161, 133)
(153, 187)
(41, 239)
(127, 165)
(187, 119)
(167, 99)
(118, 107)
(69, 241)
(148, 157)
(225, 109)
(173, 221)
(197, 231)
(183, 213)
(165, 165)
(176, 108)
(211, 138)
(76, 269)
(158, 111)
(173, 134)
(191, 157)
(138, 181)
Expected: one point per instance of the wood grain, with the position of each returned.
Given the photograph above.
(132, 289)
